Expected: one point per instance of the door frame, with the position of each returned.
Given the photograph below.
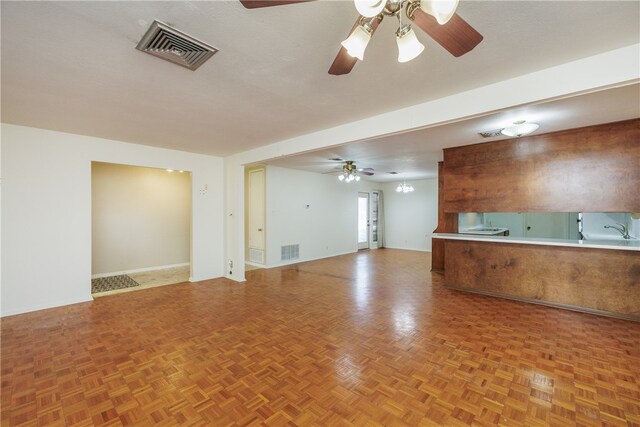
(364, 245)
(250, 245)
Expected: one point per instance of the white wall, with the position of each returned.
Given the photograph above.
(467, 220)
(410, 218)
(328, 227)
(141, 218)
(46, 217)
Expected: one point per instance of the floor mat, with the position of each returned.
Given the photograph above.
(111, 283)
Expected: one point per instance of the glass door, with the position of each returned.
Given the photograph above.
(363, 220)
(375, 196)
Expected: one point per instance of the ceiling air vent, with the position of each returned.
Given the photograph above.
(490, 133)
(173, 45)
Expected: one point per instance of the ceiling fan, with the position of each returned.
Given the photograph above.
(350, 172)
(437, 18)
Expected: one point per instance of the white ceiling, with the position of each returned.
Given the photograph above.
(73, 67)
(415, 155)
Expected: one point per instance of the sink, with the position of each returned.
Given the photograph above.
(592, 236)
(490, 231)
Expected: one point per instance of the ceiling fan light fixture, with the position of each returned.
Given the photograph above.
(520, 128)
(408, 45)
(357, 41)
(370, 8)
(442, 10)
(350, 172)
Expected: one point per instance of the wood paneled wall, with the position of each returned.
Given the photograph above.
(590, 169)
(592, 279)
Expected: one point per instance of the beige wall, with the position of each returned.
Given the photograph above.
(141, 217)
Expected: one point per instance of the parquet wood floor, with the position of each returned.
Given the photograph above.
(365, 339)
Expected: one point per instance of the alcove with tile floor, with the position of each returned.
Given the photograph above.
(151, 279)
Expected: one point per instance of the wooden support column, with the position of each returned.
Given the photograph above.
(447, 223)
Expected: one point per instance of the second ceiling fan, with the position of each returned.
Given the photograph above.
(350, 172)
(437, 18)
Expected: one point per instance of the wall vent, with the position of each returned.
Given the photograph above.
(290, 252)
(256, 255)
(175, 46)
(491, 133)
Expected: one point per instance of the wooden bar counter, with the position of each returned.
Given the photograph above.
(600, 277)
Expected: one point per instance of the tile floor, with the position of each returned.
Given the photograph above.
(152, 279)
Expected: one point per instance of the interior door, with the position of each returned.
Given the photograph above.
(363, 220)
(256, 209)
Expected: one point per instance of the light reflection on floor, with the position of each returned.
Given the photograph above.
(362, 285)
(404, 320)
(347, 370)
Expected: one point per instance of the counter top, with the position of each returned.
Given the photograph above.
(621, 244)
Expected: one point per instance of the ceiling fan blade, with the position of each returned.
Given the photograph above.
(456, 36)
(255, 4)
(366, 171)
(344, 63)
(332, 171)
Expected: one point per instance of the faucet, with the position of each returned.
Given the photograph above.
(622, 230)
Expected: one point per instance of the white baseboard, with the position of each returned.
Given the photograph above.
(408, 249)
(301, 260)
(254, 264)
(139, 270)
(50, 304)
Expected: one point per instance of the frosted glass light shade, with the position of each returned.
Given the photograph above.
(341, 177)
(408, 45)
(357, 42)
(404, 188)
(370, 8)
(442, 10)
(520, 129)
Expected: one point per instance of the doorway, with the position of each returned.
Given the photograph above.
(141, 227)
(363, 221)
